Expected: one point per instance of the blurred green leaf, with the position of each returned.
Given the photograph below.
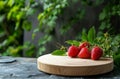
(84, 35)
(27, 25)
(17, 25)
(9, 15)
(73, 42)
(40, 16)
(10, 3)
(117, 60)
(41, 50)
(15, 9)
(20, 15)
(30, 11)
(2, 5)
(2, 34)
(29, 51)
(91, 34)
(44, 40)
(36, 30)
(59, 52)
(102, 16)
(2, 17)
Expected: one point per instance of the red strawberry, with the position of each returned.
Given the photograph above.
(96, 53)
(84, 44)
(84, 53)
(73, 51)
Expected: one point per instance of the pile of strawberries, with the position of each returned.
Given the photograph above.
(83, 51)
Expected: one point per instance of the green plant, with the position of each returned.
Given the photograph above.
(109, 16)
(47, 21)
(109, 44)
(52, 11)
(14, 14)
(13, 22)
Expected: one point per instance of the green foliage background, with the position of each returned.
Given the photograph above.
(14, 16)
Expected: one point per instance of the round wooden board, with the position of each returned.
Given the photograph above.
(64, 65)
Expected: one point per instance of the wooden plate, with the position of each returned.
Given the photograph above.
(64, 65)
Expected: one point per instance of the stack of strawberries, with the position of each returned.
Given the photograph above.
(84, 51)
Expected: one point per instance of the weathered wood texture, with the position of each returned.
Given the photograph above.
(26, 68)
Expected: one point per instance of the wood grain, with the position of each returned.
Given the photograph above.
(64, 65)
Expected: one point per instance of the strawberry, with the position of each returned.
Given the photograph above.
(96, 53)
(84, 53)
(84, 44)
(73, 51)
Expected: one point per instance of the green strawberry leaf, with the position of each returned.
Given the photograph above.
(59, 52)
(73, 42)
(84, 35)
(91, 35)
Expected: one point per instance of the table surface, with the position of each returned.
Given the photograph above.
(26, 68)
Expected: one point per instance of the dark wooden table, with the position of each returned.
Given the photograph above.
(26, 68)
